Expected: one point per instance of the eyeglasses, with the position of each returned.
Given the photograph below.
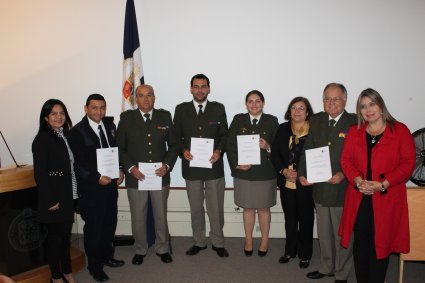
(334, 100)
(300, 108)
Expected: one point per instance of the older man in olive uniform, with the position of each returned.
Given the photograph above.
(201, 118)
(329, 128)
(147, 135)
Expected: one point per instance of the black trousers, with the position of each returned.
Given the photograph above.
(368, 268)
(57, 248)
(298, 207)
(98, 209)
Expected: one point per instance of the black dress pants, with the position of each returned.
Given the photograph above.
(58, 245)
(99, 211)
(298, 207)
(368, 268)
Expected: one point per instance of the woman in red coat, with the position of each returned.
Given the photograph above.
(378, 158)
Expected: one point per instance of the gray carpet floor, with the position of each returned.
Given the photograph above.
(208, 267)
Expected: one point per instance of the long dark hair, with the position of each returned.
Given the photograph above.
(46, 109)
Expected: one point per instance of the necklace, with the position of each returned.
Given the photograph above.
(377, 133)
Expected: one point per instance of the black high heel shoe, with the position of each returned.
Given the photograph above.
(285, 259)
(248, 253)
(262, 253)
(304, 263)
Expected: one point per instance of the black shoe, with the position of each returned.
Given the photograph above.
(114, 263)
(262, 253)
(304, 263)
(285, 259)
(340, 281)
(166, 258)
(99, 276)
(221, 252)
(248, 253)
(317, 275)
(137, 259)
(194, 250)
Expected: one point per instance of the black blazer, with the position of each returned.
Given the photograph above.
(52, 173)
(84, 142)
(212, 124)
(281, 156)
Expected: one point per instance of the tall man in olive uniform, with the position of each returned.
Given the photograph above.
(201, 118)
(329, 128)
(147, 135)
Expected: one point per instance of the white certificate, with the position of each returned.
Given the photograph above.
(107, 162)
(201, 150)
(318, 163)
(152, 182)
(249, 150)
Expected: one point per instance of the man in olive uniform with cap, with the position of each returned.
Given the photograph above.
(147, 135)
(201, 118)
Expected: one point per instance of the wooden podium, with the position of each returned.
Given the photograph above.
(416, 201)
(21, 238)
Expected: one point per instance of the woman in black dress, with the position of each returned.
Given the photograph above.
(297, 200)
(57, 186)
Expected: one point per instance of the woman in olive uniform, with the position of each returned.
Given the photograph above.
(254, 185)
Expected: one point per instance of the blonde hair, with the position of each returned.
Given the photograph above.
(376, 98)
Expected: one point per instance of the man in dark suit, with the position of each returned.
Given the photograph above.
(329, 128)
(98, 194)
(201, 118)
(147, 135)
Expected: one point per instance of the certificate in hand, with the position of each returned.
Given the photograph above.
(318, 164)
(249, 150)
(152, 182)
(201, 150)
(107, 162)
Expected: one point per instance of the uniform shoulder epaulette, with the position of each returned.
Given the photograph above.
(215, 102)
(164, 110)
(185, 103)
(270, 115)
(126, 111)
(318, 114)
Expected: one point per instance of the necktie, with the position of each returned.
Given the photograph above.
(200, 112)
(254, 122)
(102, 137)
(147, 116)
(332, 123)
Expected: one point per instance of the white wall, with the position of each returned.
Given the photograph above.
(70, 49)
